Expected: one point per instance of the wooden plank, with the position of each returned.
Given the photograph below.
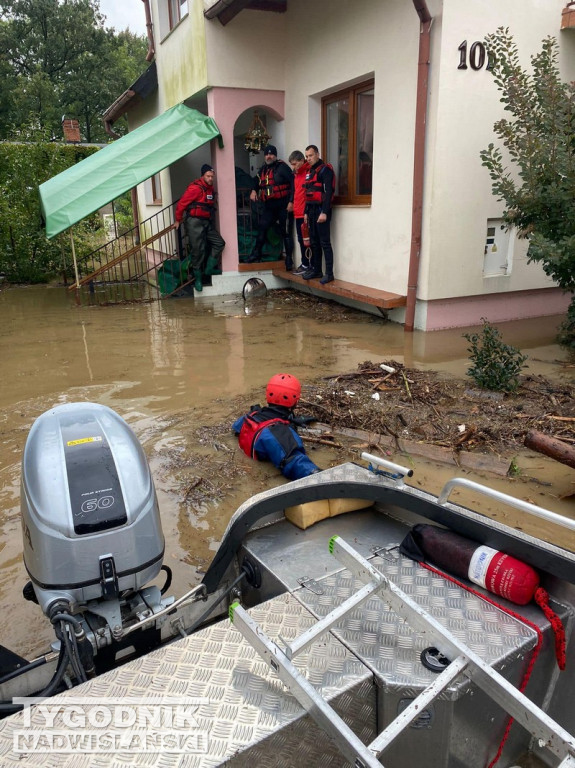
(479, 462)
(362, 293)
(427, 451)
(482, 462)
(258, 266)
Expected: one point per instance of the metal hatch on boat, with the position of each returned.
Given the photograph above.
(464, 661)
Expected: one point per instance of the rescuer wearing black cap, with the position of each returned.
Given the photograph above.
(196, 208)
(273, 187)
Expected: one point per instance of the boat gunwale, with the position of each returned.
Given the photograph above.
(352, 480)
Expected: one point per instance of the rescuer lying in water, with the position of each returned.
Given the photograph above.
(269, 433)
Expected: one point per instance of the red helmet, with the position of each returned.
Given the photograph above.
(283, 389)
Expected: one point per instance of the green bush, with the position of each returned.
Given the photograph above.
(567, 329)
(25, 253)
(495, 365)
(532, 168)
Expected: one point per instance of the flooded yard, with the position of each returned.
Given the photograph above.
(179, 372)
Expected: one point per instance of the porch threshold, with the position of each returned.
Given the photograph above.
(361, 293)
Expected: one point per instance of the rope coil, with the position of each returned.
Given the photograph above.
(541, 597)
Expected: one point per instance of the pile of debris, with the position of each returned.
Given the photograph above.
(404, 403)
(384, 408)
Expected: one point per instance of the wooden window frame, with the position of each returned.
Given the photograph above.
(175, 5)
(156, 190)
(153, 190)
(351, 93)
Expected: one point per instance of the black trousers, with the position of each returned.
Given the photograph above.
(320, 239)
(274, 214)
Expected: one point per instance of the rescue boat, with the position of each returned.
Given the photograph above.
(346, 618)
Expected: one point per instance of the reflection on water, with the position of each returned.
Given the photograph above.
(175, 352)
(164, 364)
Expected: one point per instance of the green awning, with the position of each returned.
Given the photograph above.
(92, 183)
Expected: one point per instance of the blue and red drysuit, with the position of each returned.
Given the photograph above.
(268, 434)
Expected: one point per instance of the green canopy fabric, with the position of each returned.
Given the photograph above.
(92, 183)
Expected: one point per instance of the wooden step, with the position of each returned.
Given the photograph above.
(362, 293)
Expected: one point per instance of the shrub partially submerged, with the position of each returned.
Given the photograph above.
(495, 365)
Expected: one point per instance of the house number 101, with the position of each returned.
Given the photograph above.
(477, 56)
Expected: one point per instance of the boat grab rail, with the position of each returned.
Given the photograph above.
(397, 468)
(524, 506)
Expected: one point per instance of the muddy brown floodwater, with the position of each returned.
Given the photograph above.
(176, 368)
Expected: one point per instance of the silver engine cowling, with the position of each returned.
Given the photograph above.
(90, 517)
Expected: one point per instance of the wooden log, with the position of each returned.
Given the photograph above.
(551, 446)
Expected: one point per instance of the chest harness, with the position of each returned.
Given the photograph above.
(271, 189)
(203, 207)
(313, 185)
(251, 430)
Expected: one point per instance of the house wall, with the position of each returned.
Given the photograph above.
(142, 113)
(319, 47)
(309, 56)
(182, 73)
(180, 54)
(464, 106)
(248, 51)
(332, 50)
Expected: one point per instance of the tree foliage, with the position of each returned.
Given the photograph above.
(25, 253)
(59, 59)
(56, 58)
(539, 142)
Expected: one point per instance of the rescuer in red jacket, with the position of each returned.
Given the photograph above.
(320, 186)
(196, 208)
(300, 168)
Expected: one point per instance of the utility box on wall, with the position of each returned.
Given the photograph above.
(498, 249)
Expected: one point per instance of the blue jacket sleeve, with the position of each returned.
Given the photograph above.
(237, 425)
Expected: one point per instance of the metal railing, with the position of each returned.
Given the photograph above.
(131, 266)
(248, 219)
(128, 268)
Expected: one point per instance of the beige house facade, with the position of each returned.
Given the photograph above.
(403, 125)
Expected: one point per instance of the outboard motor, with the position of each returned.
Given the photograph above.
(91, 523)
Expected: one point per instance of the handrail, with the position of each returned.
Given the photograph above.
(121, 257)
(132, 231)
(524, 506)
(397, 468)
(129, 267)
